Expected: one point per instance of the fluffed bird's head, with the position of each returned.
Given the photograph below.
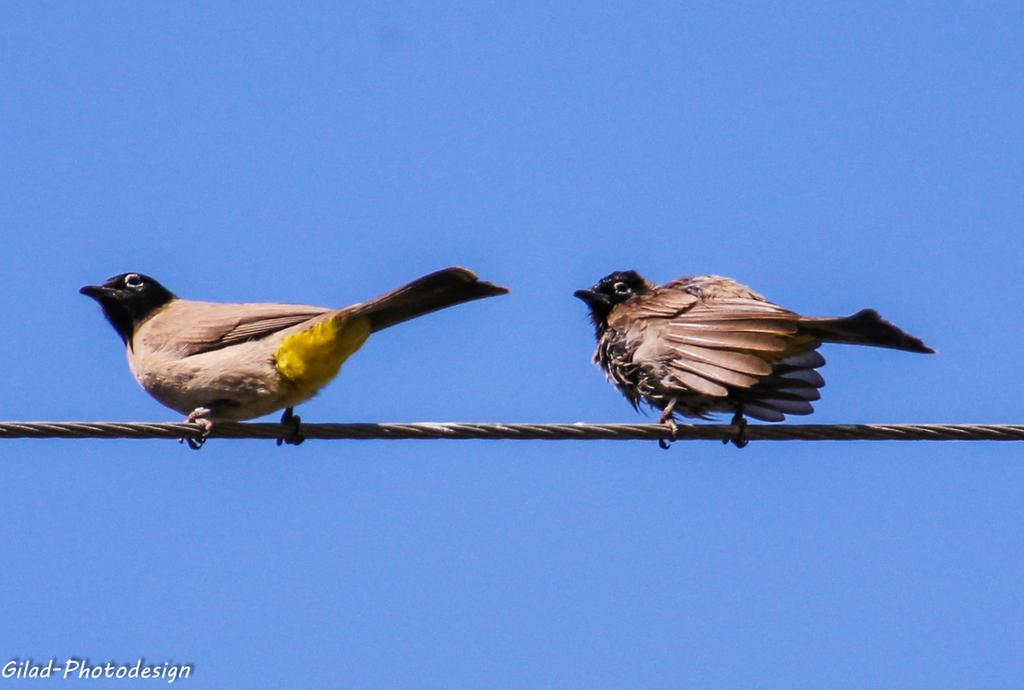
(128, 300)
(614, 288)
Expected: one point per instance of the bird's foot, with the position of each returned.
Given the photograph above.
(199, 416)
(290, 419)
(669, 420)
(740, 438)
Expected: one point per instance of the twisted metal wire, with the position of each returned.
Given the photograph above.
(525, 432)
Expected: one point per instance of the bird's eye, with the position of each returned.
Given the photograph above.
(133, 280)
(621, 288)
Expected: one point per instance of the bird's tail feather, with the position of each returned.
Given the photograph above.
(866, 327)
(438, 290)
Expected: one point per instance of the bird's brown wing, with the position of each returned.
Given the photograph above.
(195, 327)
(737, 344)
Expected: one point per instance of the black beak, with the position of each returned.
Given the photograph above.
(593, 298)
(97, 292)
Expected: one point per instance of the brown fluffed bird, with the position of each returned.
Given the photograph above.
(214, 361)
(705, 344)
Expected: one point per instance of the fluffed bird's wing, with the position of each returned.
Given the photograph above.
(719, 338)
(191, 327)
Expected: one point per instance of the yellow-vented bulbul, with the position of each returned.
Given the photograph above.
(215, 361)
(705, 344)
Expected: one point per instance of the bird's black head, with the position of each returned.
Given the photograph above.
(611, 290)
(128, 299)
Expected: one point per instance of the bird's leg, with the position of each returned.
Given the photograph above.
(740, 422)
(289, 418)
(668, 420)
(200, 416)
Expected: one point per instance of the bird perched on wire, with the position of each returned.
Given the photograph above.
(216, 361)
(705, 344)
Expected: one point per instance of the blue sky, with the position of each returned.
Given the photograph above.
(832, 156)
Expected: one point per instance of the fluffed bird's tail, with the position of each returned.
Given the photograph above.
(866, 327)
(438, 290)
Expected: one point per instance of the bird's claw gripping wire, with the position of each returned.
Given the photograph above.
(740, 438)
(669, 420)
(290, 419)
(198, 416)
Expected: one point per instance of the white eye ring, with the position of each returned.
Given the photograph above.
(620, 288)
(133, 280)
